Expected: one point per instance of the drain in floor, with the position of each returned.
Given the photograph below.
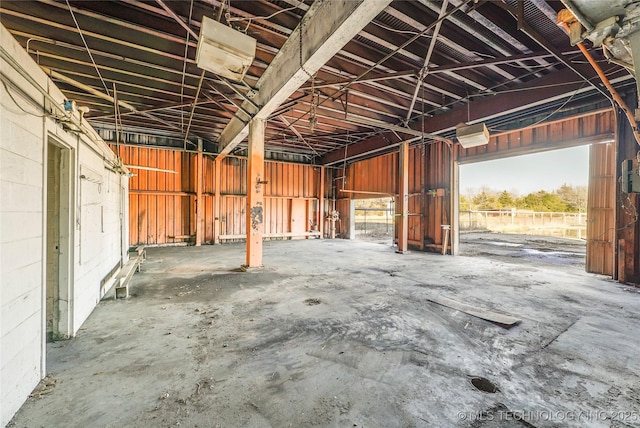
(484, 384)
(311, 302)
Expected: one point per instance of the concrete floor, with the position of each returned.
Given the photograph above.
(341, 334)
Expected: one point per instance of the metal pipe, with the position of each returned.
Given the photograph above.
(106, 97)
(392, 53)
(149, 168)
(179, 20)
(298, 134)
(544, 43)
(579, 16)
(427, 59)
(193, 109)
(618, 99)
(364, 192)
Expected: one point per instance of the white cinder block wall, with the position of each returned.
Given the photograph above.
(92, 221)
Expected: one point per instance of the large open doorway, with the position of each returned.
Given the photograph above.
(58, 314)
(375, 220)
(531, 206)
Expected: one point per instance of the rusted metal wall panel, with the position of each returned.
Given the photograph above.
(437, 199)
(601, 209)
(567, 132)
(416, 195)
(163, 205)
(343, 206)
(429, 170)
(627, 226)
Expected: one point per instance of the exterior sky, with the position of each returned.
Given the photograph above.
(528, 173)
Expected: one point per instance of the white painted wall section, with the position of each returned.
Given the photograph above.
(91, 218)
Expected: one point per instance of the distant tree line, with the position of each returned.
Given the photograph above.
(571, 199)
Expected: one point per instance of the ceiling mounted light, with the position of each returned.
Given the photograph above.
(472, 135)
(224, 51)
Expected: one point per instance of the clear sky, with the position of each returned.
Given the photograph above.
(529, 173)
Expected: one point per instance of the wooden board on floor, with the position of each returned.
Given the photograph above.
(506, 321)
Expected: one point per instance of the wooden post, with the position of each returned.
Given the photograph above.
(199, 198)
(255, 195)
(403, 197)
(216, 202)
(321, 202)
(454, 196)
(622, 268)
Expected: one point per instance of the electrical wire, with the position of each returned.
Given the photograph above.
(540, 67)
(415, 33)
(627, 211)
(486, 92)
(389, 55)
(87, 47)
(254, 18)
(6, 88)
(550, 114)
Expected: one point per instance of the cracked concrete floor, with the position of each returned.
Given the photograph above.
(340, 334)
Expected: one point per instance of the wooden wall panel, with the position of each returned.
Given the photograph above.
(163, 205)
(232, 216)
(374, 177)
(601, 209)
(234, 176)
(160, 203)
(277, 215)
(343, 206)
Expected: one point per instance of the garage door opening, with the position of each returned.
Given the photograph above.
(374, 220)
(527, 206)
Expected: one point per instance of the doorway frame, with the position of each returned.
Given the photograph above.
(63, 326)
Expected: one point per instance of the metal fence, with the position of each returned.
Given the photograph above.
(375, 223)
(569, 225)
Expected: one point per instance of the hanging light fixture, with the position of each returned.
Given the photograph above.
(223, 50)
(472, 135)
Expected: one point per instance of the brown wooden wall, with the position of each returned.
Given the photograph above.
(163, 205)
(376, 177)
(160, 203)
(429, 170)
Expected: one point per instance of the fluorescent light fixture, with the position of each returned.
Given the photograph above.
(223, 50)
(472, 135)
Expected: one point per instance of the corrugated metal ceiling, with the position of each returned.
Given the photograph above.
(149, 58)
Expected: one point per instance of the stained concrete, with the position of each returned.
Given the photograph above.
(340, 334)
